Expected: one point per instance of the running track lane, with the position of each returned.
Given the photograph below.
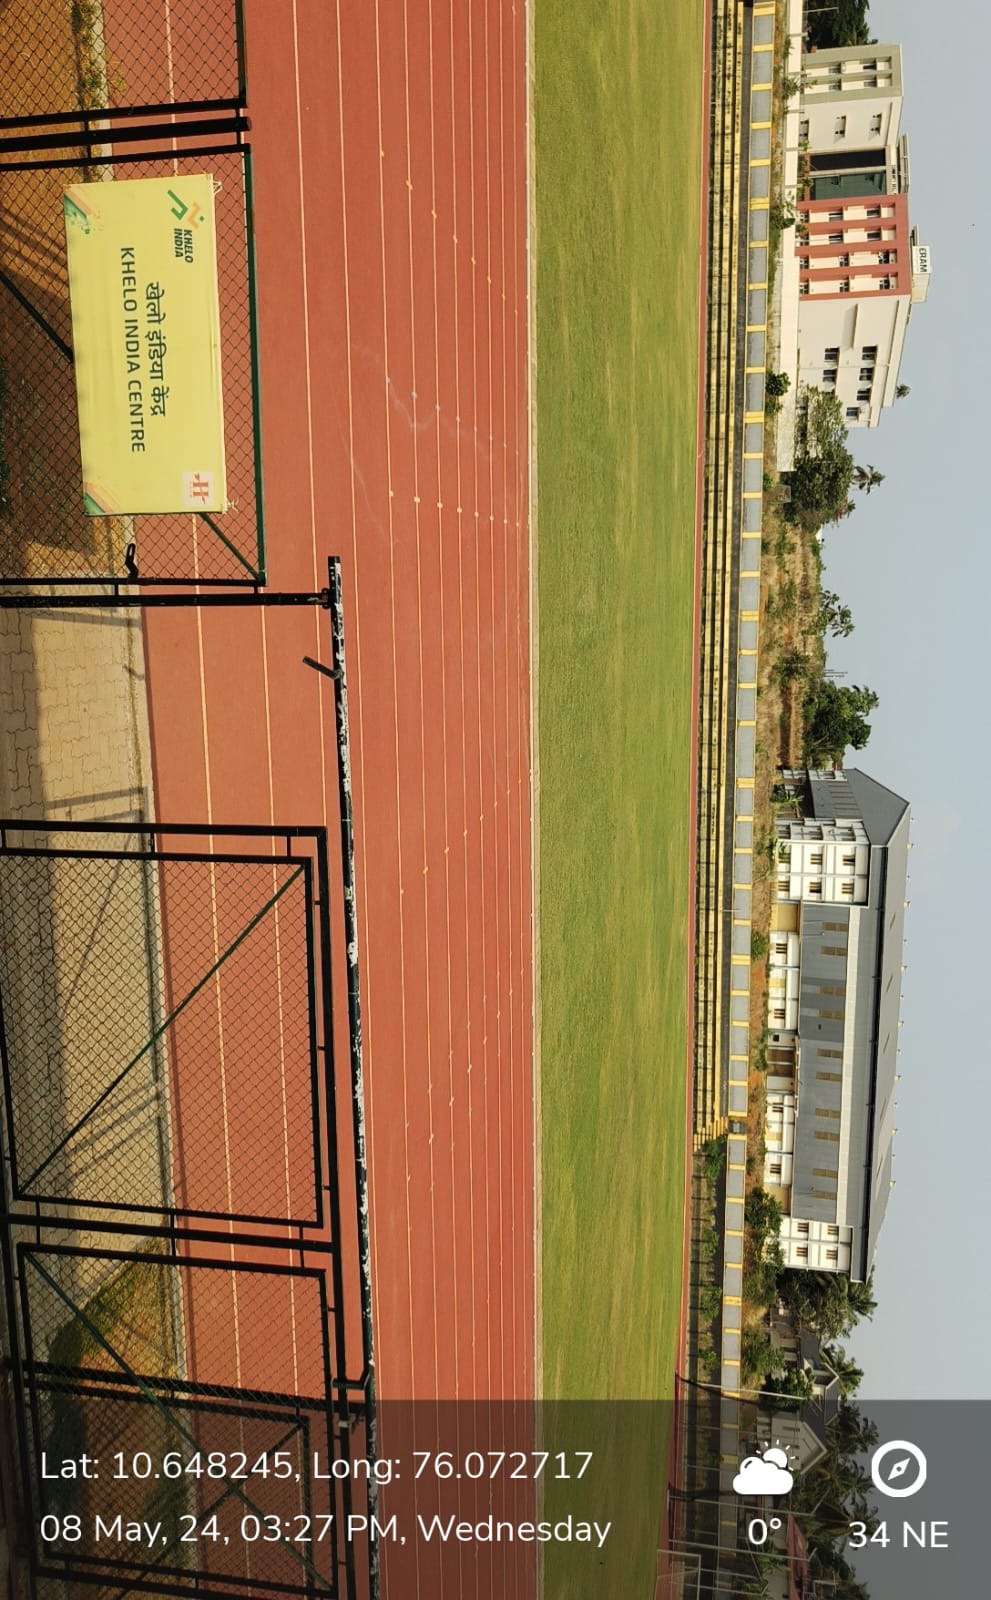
(677, 1430)
(390, 205)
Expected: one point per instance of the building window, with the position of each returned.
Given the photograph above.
(848, 888)
(803, 1229)
(832, 1232)
(815, 887)
(803, 287)
(840, 128)
(863, 394)
(834, 927)
(867, 374)
(775, 1169)
(831, 355)
(825, 1172)
(825, 1111)
(803, 128)
(829, 374)
(885, 257)
(802, 1252)
(868, 353)
(803, 263)
(843, 287)
(781, 947)
(849, 861)
(830, 1054)
(873, 211)
(873, 235)
(827, 1138)
(837, 216)
(832, 988)
(852, 413)
(779, 1013)
(830, 1077)
(835, 238)
(832, 1255)
(824, 1194)
(884, 283)
(876, 124)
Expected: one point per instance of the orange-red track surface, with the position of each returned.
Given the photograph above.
(389, 149)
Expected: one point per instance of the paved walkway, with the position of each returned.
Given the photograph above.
(73, 720)
(78, 985)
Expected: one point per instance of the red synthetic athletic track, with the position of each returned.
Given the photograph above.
(390, 217)
(675, 1452)
(389, 174)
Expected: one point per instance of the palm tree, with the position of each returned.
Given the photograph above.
(901, 390)
(848, 1374)
(860, 1296)
(867, 478)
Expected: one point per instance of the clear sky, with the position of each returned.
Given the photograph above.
(914, 563)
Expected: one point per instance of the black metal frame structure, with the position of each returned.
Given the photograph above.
(72, 1252)
(296, 861)
(141, 1419)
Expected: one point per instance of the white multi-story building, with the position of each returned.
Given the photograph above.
(852, 268)
(833, 998)
(851, 98)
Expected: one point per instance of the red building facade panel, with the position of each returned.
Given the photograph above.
(832, 248)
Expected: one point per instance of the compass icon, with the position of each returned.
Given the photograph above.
(898, 1469)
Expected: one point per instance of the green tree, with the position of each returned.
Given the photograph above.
(849, 1375)
(795, 1385)
(833, 616)
(860, 1297)
(902, 390)
(792, 665)
(828, 1303)
(762, 1214)
(758, 1357)
(842, 23)
(867, 478)
(823, 474)
(835, 718)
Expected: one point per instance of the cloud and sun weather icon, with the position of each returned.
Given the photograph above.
(764, 1474)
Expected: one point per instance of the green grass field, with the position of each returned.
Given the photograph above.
(618, 111)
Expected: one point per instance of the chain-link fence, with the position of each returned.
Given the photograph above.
(182, 1211)
(59, 57)
(165, 1374)
(162, 1027)
(45, 535)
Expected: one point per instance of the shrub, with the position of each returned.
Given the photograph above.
(793, 664)
(763, 1215)
(713, 1158)
(710, 1302)
(760, 946)
(759, 1358)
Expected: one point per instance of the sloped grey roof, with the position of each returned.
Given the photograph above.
(874, 1021)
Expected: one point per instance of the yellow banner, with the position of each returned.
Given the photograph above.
(146, 335)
